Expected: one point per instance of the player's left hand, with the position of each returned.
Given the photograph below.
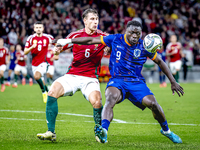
(107, 50)
(175, 87)
(57, 49)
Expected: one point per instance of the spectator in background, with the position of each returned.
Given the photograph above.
(12, 37)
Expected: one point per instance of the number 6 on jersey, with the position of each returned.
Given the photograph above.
(87, 53)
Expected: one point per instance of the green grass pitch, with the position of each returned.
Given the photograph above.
(22, 116)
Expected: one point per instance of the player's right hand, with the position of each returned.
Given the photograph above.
(34, 45)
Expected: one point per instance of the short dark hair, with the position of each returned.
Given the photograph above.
(87, 11)
(134, 23)
(38, 22)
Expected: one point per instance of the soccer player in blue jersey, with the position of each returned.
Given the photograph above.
(126, 61)
(12, 63)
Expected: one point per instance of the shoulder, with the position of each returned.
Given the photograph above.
(48, 36)
(31, 37)
(99, 32)
(75, 33)
(5, 48)
(178, 43)
(169, 45)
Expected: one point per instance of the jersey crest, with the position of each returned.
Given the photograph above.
(96, 46)
(136, 53)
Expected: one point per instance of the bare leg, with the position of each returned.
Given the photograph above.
(158, 113)
(113, 95)
(96, 101)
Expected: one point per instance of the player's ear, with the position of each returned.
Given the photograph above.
(84, 20)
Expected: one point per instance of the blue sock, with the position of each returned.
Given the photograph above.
(105, 124)
(164, 126)
(160, 77)
(8, 79)
(21, 76)
(163, 78)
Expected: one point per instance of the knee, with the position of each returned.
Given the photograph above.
(111, 100)
(36, 76)
(52, 93)
(111, 96)
(153, 105)
(97, 103)
(95, 100)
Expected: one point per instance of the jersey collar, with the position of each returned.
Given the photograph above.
(90, 34)
(126, 40)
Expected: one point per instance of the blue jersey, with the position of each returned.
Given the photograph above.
(126, 61)
(12, 60)
(13, 57)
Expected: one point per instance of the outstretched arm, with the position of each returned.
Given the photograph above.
(174, 85)
(81, 40)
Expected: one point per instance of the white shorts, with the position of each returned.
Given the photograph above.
(73, 83)
(42, 68)
(175, 66)
(3, 67)
(21, 68)
(51, 70)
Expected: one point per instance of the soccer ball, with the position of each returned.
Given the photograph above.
(152, 42)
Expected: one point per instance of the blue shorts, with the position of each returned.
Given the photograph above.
(133, 91)
(12, 66)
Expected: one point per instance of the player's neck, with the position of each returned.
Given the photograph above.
(174, 43)
(39, 35)
(88, 31)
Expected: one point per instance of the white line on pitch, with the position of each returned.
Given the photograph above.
(117, 120)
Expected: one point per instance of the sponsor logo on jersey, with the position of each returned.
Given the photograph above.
(136, 53)
(40, 42)
(34, 41)
(111, 82)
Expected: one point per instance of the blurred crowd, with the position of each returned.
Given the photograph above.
(60, 17)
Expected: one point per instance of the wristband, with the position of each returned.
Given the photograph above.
(63, 42)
